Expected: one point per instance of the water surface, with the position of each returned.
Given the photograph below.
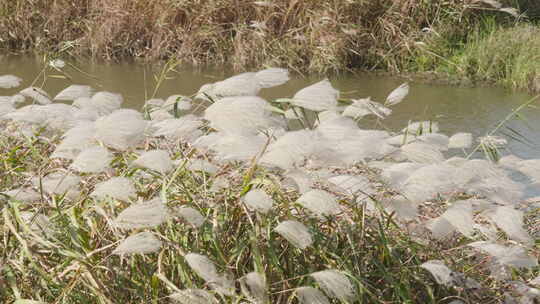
(457, 109)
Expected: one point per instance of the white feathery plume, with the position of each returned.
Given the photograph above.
(310, 295)
(510, 10)
(320, 202)
(335, 284)
(9, 81)
(57, 64)
(154, 103)
(353, 185)
(441, 273)
(158, 115)
(365, 106)
(460, 141)
(185, 127)
(320, 96)
(456, 161)
(59, 116)
(300, 180)
(477, 170)
(6, 99)
(510, 221)
(244, 84)
(157, 160)
(232, 146)
(32, 114)
(514, 256)
(440, 228)
(5, 108)
(204, 268)
(397, 174)
(330, 115)
(460, 215)
(121, 130)
(427, 181)
(421, 127)
(438, 140)
(84, 103)
(193, 296)
(37, 94)
(422, 153)
(253, 286)
(106, 102)
(335, 127)
(401, 139)
(296, 233)
(143, 215)
(380, 164)
(92, 160)
(501, 189)
(403, 208)
(493, 3)
(87, 114)
(26, 195)
(201, 165)
(246, 115)
(529, 167)
(291, 149)
(360, 147)
(258, 200)
(397, 95)
(17, 99)
(27, 301)
(143, 243)
(479, 205)
(73, 92)
(120, 188)
(190, 215)
(59, 183)
(272, 77)
(75, 140)
(510, 162)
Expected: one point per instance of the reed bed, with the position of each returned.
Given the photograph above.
(107, 205)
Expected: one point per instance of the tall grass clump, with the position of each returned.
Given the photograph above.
(505, 56)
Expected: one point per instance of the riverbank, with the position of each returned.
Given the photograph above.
(315, 37)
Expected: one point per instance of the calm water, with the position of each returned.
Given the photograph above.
(476, 110)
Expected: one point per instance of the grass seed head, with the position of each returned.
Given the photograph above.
(310, 295)
(296, 233)
(143, 215)
(142, 243)
(335, 284)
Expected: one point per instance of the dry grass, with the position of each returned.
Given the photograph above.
(315, 36)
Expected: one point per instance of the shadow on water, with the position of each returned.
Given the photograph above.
(457, 109)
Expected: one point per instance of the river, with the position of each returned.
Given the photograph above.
(457, 109)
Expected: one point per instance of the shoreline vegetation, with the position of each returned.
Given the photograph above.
(477, 41)
(261, 202)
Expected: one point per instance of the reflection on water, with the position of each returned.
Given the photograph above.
(476, 110)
